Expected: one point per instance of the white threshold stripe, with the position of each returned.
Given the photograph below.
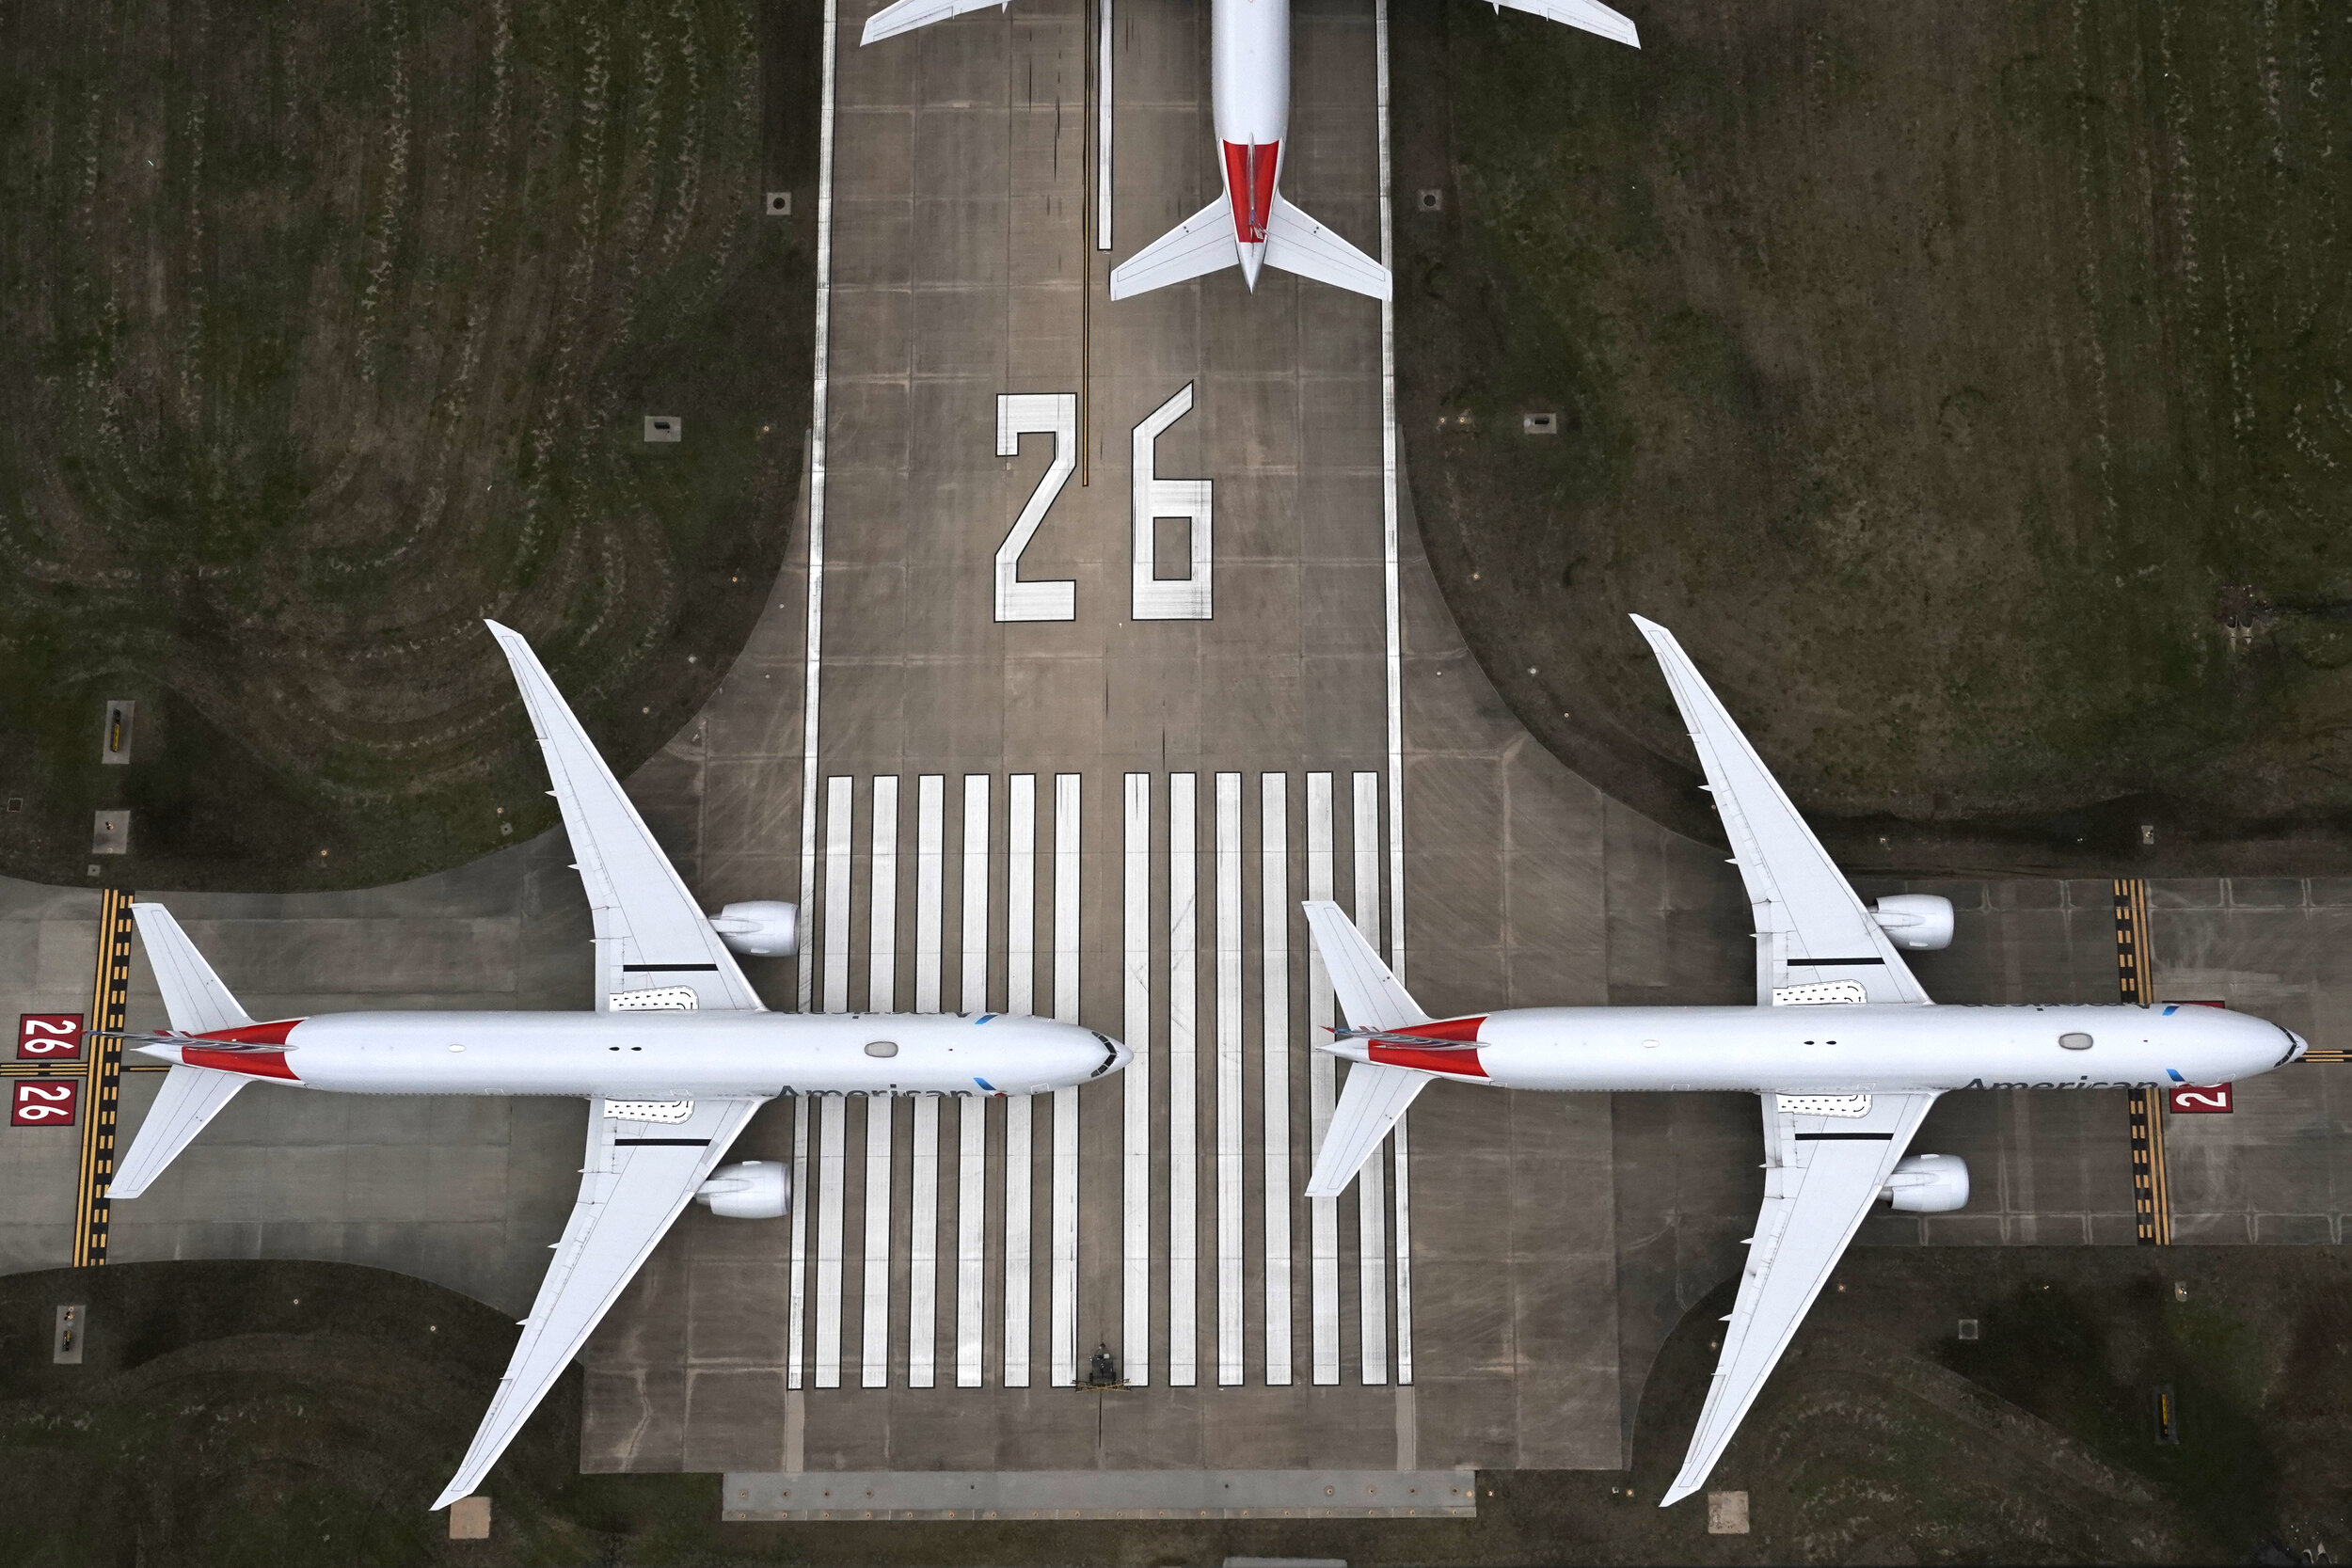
(832, 1114)
(972, 1130)
(1229, 1167)
(1371, 1193)
(813, 644)
(831, 1168)
(1274, 946)
(1134, 1346)
(874, 1359)
(881, 996)
(930, 855)
(1323, 1212)
(1103, 132)
(796, 1294)
(1068, 858)
(1019, 997)
(1390, 544)
(1184, 1180)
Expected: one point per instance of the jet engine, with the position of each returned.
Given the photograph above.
(1929, 1185)
(762, 1190)
(765, 929)
(1919, 921)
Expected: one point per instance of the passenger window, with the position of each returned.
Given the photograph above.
(890, 1048)
(2075, 1041)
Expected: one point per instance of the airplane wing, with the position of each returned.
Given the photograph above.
(1821, 1174)
(1201, 244)
(907, 15)
(190, 1097)
(1810, 927)
(1376, 1096)
(1585, 15)
(650, 933)
(1296, 243)
(639, 1175)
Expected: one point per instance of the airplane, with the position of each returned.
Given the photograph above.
(1250, 224)
(676, 1059)
(1844, 1049)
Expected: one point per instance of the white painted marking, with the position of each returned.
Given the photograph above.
(796, 1294)
(881, 941)
(972, 1130)
(1019, 997)
(1155, 598)
(1274, 942)
(1324, 1212)
(1396, 685)
(1020, 414)
(813, 650)
(1135, 1354)
(1371, 1194)
(874, 1357)
(1102, 133)
(1228, 1157)
(922, 1247)
(832, 1132)
(1183, 1132)
(930, 855)
(1068, 858)
(837, 826)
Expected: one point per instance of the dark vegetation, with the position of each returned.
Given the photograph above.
(328, 331)
(1966, 385)
(273, 1413)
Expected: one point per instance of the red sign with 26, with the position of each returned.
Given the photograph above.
(49, 1037)
(43, 1102)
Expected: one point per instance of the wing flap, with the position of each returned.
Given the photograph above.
(1204, 242)
(1296, 243)
(650, 933)
(1821, 1175)
(1810, 927)
(639, 1177)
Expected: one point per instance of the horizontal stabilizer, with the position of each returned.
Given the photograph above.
(1373, 1101)
(1588, 15)
(1296, 243)
(190, 1097)
(1368, 992)
(193, 995)
(1202, 244)
(907, 15)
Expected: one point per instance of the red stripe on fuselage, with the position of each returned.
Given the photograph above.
(254, 1064)
(253, 1034)
(1463, 1029)
(1458, 1064)
(1250, 177)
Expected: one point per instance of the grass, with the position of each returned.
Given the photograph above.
(327, 333)
(1932, 372)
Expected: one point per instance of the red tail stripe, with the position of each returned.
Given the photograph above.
(257, 1064)
(1460, 1064)
(253, 1034)
(1463, 1029)
(1250, 178)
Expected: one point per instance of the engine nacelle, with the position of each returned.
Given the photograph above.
(1919, 921)
(762, 928)
(1929, 1185)
(754, 1190)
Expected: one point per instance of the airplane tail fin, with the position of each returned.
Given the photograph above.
(191, 1097)
(1296, 243)
(193, 994)
(1202, 244)
(1376, 1097)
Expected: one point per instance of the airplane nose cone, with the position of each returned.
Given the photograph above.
(1253, 258)
(1111, 1057)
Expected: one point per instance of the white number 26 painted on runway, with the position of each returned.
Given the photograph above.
(1152, 597)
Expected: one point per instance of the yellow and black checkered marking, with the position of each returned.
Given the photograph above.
(110, 995)
(2150, 1203)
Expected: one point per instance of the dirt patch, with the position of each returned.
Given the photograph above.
(326, 332)
(1964, 388)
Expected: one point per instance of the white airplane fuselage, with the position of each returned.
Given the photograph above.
(1249, 86)
(1840, 1049)
(657, 1055)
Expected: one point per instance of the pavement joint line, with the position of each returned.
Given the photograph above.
(2150, 1202)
